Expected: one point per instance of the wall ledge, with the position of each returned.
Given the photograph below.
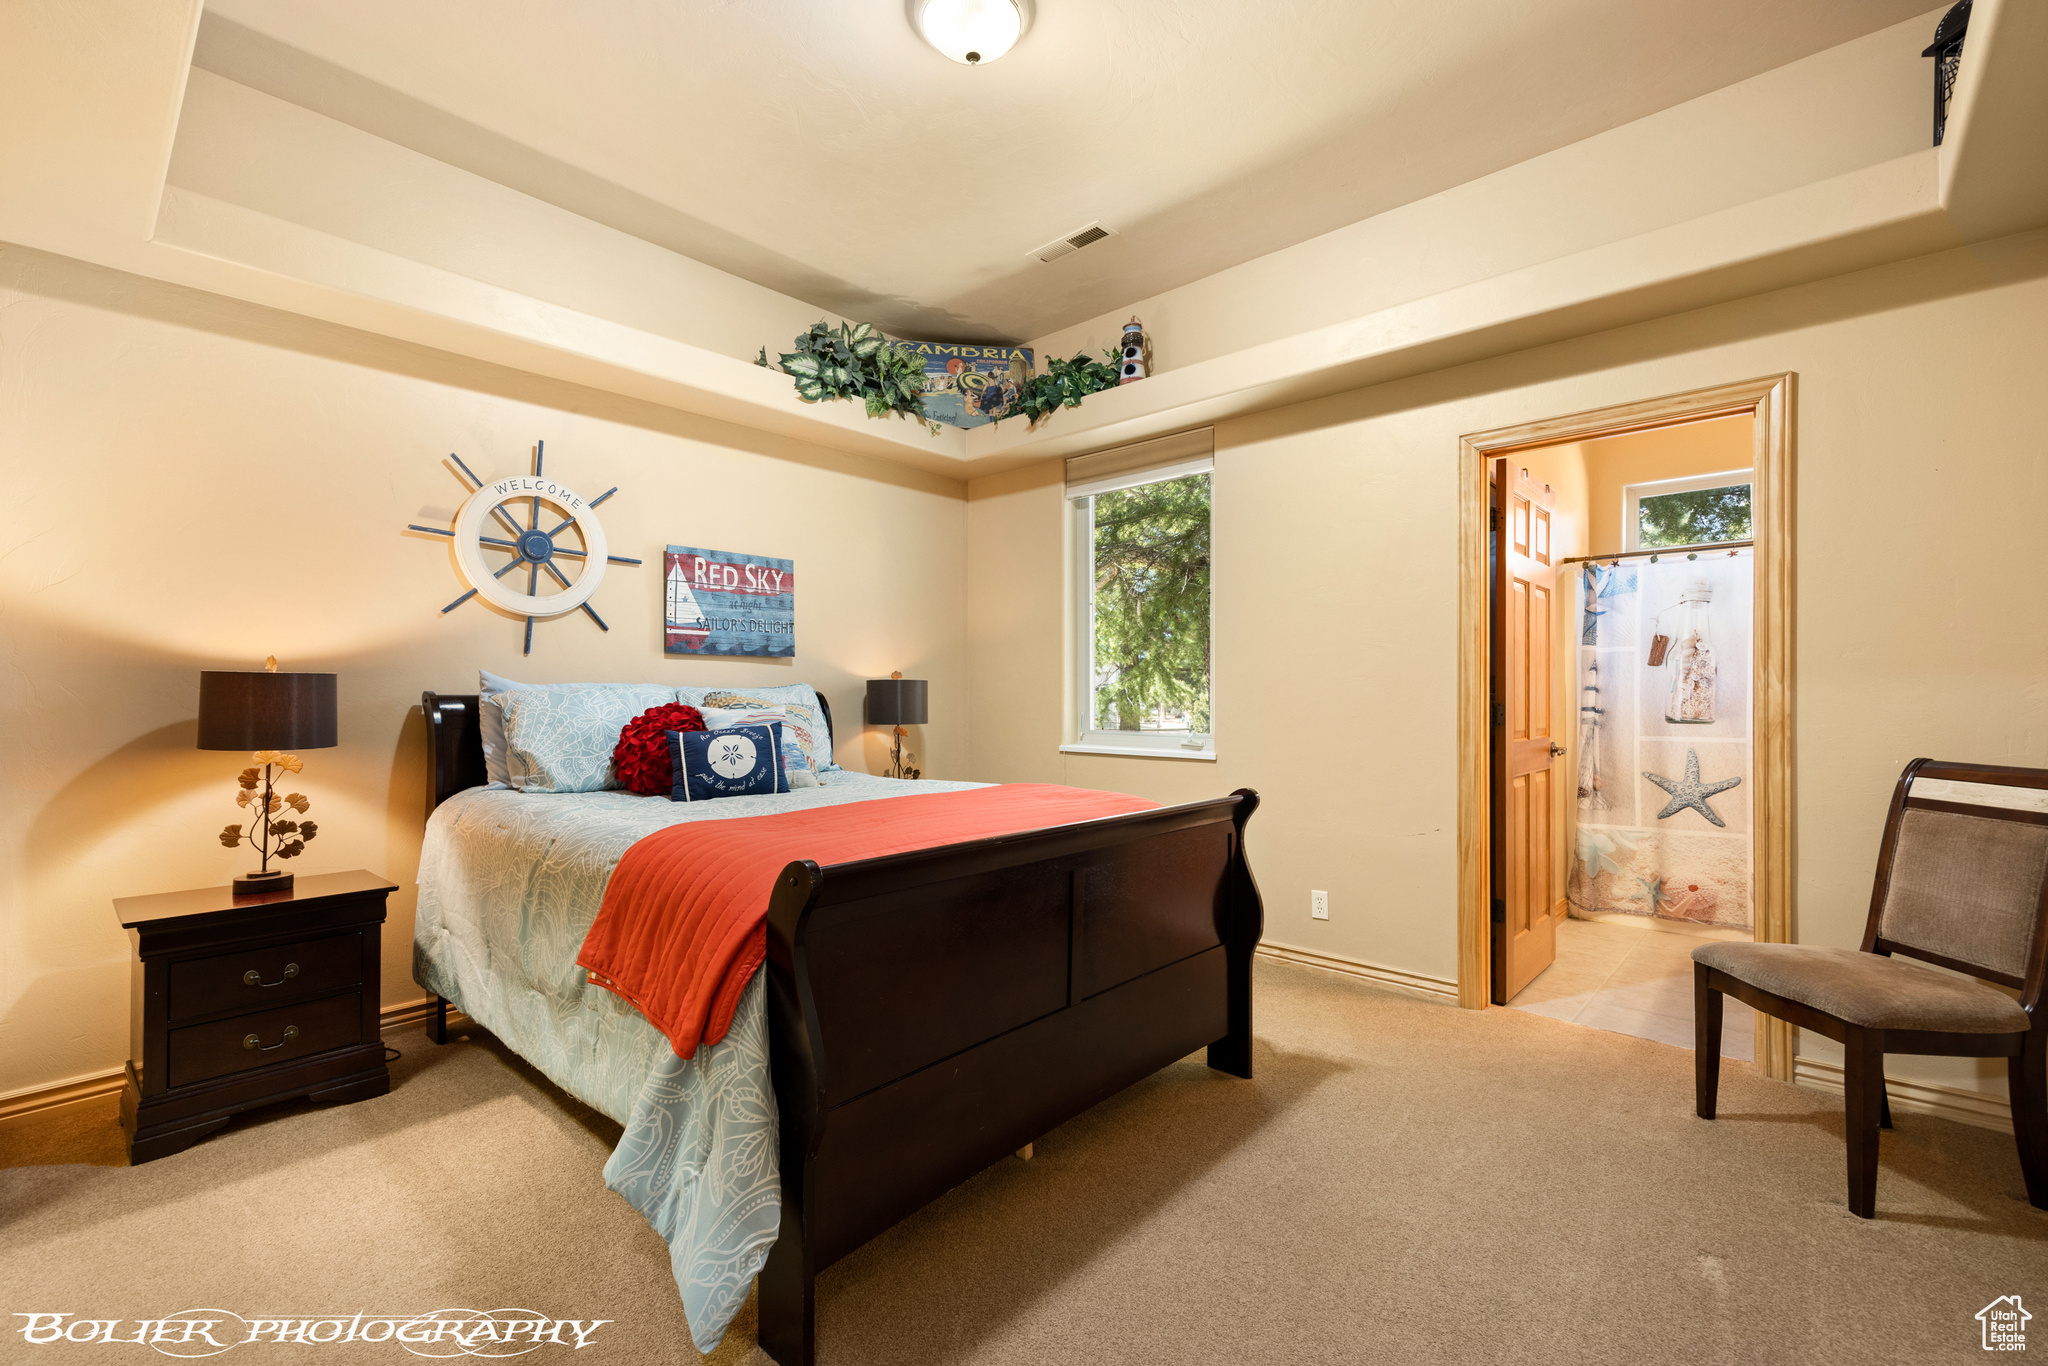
(1866, 218)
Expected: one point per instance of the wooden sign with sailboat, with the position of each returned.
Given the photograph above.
(722, 603)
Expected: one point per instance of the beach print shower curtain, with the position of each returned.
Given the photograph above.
(1665, 739)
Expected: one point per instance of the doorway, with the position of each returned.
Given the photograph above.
(1609, 822)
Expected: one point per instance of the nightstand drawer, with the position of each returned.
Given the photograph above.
(258, 979)
(198, 1052)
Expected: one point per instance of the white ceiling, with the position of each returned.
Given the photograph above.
(819, 147)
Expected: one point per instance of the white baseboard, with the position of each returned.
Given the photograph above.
(34, 1099)
(1435, 988)
(1979, 1108)
(416, 1012)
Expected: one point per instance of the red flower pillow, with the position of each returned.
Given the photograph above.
(641, 758)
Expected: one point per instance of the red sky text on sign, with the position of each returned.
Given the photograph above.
(736, 576)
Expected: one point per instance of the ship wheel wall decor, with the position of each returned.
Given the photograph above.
(499, 507)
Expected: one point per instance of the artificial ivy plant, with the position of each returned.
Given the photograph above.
(856, 362)
(1064, 384)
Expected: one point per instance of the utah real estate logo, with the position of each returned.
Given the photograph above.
(2005, 1324)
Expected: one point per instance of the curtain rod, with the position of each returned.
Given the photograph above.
(1692, 552)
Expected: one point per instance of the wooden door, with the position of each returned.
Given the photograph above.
(1524, 747)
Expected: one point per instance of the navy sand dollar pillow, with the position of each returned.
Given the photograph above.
(737, 761)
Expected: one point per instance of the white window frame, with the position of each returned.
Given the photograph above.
(1145, 744)
(1632, 496)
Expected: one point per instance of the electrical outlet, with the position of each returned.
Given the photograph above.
(1319, 905)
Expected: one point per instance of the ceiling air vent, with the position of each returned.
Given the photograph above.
(1072, 242)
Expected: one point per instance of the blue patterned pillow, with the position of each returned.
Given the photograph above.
(799, 700)
(562, 740)
(491, 720)
(739, 761)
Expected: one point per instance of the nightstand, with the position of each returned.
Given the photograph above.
(243, 1001)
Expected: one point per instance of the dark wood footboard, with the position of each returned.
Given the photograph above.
(932, 1012)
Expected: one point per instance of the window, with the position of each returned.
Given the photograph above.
(1142, 611)
(1702, 510)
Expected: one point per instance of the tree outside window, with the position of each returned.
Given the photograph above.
(1151, 607)
(1693, 517)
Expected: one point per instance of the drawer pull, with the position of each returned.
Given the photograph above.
(251, 1041)
(254, 978)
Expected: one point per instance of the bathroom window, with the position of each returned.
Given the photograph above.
(1702, 510)
(1142, 612)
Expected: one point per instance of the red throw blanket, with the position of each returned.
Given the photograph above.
(685, 915)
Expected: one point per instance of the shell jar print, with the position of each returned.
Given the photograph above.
(1664, 823)
(1691, 658)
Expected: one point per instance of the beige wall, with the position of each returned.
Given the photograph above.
(197, 483)
(1918, 467)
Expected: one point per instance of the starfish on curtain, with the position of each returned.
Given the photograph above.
(1653, 889)
(1689, 791)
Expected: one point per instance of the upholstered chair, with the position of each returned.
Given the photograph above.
(1962, 883)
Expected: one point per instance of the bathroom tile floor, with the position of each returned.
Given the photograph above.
(1633, 979)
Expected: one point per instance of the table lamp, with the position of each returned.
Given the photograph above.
(897, 702)
(272, 714)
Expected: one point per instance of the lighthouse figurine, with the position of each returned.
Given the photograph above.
(1135, 347)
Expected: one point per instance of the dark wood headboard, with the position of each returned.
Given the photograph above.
(455, 743)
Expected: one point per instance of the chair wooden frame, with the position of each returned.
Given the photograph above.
(1865, 1108)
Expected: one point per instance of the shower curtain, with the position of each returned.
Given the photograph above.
(1665, 739)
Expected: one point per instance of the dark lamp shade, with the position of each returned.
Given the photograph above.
(265, 710)
(897, 702)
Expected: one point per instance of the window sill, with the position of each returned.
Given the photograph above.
(1134, 752)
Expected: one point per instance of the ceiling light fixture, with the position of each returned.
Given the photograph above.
(971, 31)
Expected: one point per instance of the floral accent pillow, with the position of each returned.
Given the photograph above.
(805, 719)
(641, 759)
(562, 741)
(795, 762)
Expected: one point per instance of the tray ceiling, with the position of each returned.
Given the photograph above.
(825, 151)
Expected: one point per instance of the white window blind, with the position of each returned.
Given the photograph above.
(1141, 463)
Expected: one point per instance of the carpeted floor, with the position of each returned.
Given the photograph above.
(1404, 1183)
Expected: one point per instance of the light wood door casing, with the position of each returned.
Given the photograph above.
(1772, 400)
(1525, 750)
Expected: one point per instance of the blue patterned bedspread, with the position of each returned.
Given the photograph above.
(509, 884)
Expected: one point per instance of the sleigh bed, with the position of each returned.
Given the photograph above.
(923, 1014)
